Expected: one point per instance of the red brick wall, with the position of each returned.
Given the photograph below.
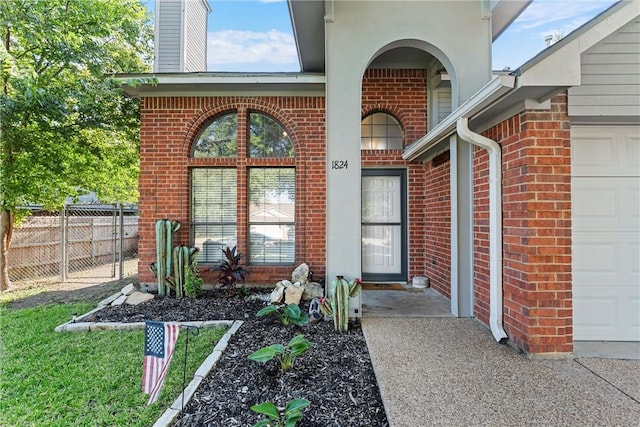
(403, 94)
(168, 128)
(536, 228)
(437, 209)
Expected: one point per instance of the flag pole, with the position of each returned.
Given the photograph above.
(189, 330)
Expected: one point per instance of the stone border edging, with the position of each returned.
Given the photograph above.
(101, 305)
(171, 414)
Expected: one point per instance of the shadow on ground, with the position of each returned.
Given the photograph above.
(67, 292)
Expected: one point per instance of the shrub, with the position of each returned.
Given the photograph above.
(193, 282)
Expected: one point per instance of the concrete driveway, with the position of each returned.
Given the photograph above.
(451, 372)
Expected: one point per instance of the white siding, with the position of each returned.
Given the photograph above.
(168, 35)
(610, 77)
(443, 99)
(196, 36)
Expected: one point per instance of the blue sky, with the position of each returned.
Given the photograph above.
(256, 35)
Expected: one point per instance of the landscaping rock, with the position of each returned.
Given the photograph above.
(293, 294)
(277, 294)
(109, 300)
(300, 274)
(312, 290)
(138, 298)
(120, 300)
(128, 290)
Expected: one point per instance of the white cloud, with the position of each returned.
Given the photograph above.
(566, 15)
(229, 48)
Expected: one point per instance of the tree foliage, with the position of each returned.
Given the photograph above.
(66, 127)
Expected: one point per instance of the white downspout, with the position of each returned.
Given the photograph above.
(495, 224)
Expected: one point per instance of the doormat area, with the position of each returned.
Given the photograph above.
(383, 287)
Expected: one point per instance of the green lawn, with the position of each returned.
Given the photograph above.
(82, 379)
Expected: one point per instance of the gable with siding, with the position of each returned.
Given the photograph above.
(610, 78)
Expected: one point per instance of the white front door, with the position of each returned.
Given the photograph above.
(384, 225)
(605, 188)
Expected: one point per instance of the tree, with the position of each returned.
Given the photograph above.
(66, 127)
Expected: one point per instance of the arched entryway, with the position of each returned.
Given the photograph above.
(406, 215)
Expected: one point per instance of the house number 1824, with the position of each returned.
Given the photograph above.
(339, 164)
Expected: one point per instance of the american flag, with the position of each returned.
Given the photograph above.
(159, 343)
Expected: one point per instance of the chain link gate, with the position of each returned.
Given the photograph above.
(80, 241)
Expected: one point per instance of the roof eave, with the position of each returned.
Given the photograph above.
(503, 13)
(307, 20)
(486, 96)
(201, 84)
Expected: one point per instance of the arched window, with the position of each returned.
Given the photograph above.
(267, 137)
(381, 131)
(243, 181)
(219, 138)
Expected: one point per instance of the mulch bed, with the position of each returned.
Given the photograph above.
(336, 374)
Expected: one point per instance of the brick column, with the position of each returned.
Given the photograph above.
(536, 229)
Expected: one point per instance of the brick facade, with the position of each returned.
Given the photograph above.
(168, 128)
(536, 166)
(437, 208)
(536, 195)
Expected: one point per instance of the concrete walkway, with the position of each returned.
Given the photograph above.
(451, 372)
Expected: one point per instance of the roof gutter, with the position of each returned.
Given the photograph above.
(482, 99)
(495, 224)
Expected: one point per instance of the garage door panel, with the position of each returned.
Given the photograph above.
(599, 254)
(600, 259)
(606, 204)
(605, 151)
(612, 317)
(606, 232)
(594, 310)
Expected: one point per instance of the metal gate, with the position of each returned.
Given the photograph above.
(80, 241)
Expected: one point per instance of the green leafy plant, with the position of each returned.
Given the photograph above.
(286, 355)
(290, 314)
(230, 272)
(291, 415)
(243, 292)
(193, 282)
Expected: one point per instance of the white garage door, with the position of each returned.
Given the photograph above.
(606, 232)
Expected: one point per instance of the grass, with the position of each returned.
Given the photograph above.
(82, 379)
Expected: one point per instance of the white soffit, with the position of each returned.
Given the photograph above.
(503, 13)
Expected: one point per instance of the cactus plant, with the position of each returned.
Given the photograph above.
(164, 241)
(339, 293)
(183, 257)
